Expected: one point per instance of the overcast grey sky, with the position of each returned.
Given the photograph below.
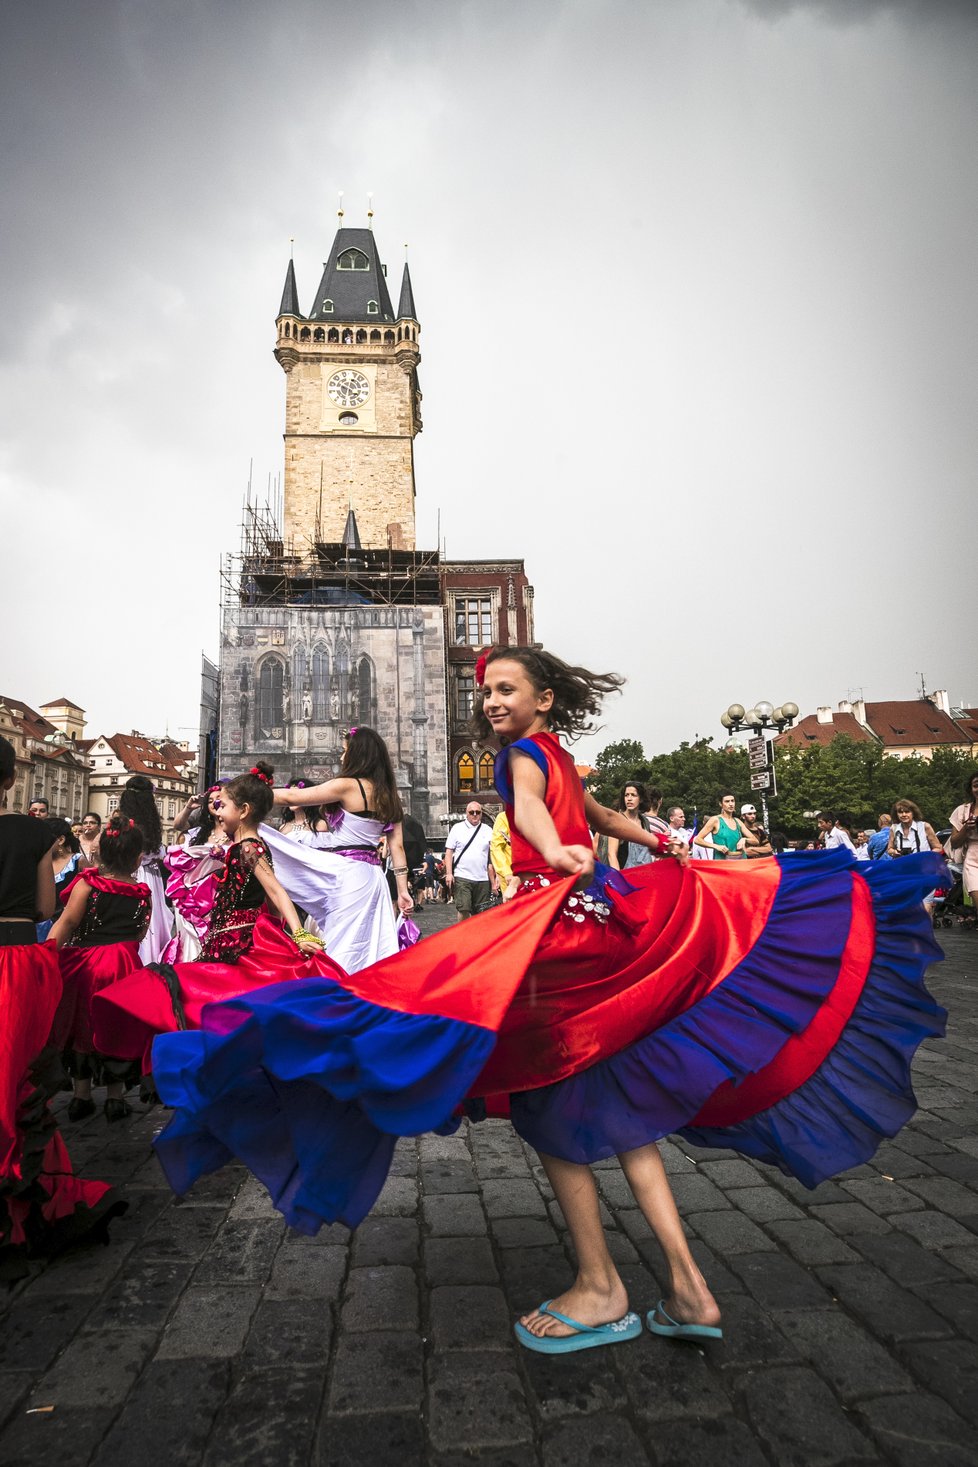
(698, 305)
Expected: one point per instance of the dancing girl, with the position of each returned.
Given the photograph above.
(244, 947)
(340, 882)
(105, 917)
(769, 1006)
(43, 1206)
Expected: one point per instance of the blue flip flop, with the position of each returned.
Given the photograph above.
(673, 1330)
(629, 1327)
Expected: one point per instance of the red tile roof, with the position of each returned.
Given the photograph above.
(140, 756)
(27, 720)
(808, 731)
(912, 723)
(969, 722)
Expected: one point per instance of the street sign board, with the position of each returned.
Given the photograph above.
(757, 759)
(762, 780)
(757, 745)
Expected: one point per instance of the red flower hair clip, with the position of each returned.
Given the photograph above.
(350, 732)
(480, 669)
(260, 774)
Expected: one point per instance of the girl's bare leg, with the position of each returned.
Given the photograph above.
(688, 1300)
(597, 1295)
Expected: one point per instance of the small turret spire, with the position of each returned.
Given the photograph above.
(405, 305)
(290, 294)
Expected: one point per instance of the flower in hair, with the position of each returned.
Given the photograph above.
(350, 733)
(480, 669)
(260, 774)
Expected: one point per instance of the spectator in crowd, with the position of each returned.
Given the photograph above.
(501, 856)
(724, 834)
(469, 876)
(910, 833)
(748, 814)
(834, 832)
(880, 839)
(39, 809)
(676, 821)
(861, 842)
(964, 836)
(633, 803)
(91, 829)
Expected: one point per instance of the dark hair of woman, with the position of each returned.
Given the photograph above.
(366, 757)
(121, 846)
(578, 693)
(313, 814)
(207, 823)
(61, 830)
(968, 783)
(640, 790)
(253, 789)
(137, 803)
(8, 759)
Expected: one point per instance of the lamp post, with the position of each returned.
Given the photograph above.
(761, 718)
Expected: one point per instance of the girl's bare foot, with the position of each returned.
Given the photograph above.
(587, 1304)
(690, 1302)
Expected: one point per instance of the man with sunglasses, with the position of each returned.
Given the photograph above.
(469, 875)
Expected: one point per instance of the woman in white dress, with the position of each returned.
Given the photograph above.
(964, 837)
(340, 882)
(138, 804)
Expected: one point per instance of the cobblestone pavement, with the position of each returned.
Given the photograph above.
(205, 1333)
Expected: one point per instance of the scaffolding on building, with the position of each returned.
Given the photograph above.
(269, 570)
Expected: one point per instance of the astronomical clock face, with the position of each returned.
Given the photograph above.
(348, 389)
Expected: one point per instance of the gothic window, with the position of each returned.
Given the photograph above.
(465, 768)
(305, 334)
(375, 336)
(364, 689)
(361, 337)
(320, 685)
(389, 338)
(271, 701)
(486, 763)
(334, 335)
(473, 620)
(373, 309)
(464, 694)
(353, 260)
(298, 677)
(319, 334)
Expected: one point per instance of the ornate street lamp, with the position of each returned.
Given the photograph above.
(763, 716)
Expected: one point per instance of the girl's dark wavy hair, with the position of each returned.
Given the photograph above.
(367, 757)
(313, 813)
(248, 789)
(121, 844)
(61, 830)
(578, 693)
(967, 784)
(137, 803)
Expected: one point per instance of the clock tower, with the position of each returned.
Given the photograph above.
(352, 402)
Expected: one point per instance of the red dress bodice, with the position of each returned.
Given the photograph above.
(564, 798)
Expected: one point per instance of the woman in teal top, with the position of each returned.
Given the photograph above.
(725, 835)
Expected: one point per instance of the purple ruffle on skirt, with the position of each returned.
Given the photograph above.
(860, 1094)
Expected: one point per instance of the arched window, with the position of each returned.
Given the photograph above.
(271, 679)
(361, 336)
(326, 309)
(334, 335)
(389, 338)
(319, 334)
(375, 336)
(305, 334)
(364, 689)
(352, 260)
(373, 309)
(320, 685)
(465, 767)
(486, 762)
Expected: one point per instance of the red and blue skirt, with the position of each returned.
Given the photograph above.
(773, 1007)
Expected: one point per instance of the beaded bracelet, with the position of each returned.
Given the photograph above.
(301, 935)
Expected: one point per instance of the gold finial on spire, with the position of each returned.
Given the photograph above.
(339, 212)
(370, 211)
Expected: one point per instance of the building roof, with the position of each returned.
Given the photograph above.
(27, 720)
(913, 722)
(351, 291)
(967, 718)
(140, 756)
(290, 295)
(405, 306)
(808, 731)
(63, 703)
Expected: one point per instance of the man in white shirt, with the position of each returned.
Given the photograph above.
(469, 874)
(676, 821)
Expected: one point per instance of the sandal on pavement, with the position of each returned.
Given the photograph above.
(673, 1330)
(629, 1327)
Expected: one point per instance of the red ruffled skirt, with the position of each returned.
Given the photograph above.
(86, 971)
(162, 999)
(43, 1206)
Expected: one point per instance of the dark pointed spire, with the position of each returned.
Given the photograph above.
(405, 306)
(290, 295)
(351, 535)
(353, 287)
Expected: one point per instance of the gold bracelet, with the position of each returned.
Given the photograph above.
(301, 935)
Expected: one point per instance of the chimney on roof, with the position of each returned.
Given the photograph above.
(940, 700)
(859, 711)
(824, 715)
(845, 706)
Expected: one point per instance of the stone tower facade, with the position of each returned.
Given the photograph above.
(352, 403)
